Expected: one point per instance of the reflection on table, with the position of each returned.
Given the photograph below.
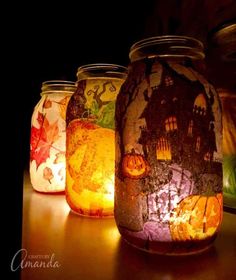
(91, 248)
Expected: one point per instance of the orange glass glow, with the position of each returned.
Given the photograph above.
(90, 172)
(91, 146)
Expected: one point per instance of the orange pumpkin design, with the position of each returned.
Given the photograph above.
(196, 217)
(90, 168)
(134, 166)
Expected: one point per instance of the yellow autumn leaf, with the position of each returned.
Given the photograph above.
(63, 105)
(60, 157)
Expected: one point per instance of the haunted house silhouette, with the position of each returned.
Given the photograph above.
(180, 125)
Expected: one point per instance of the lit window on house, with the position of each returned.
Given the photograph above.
(198, 143)
(200, 105)
(190, 128)
(171, 123)
(163, 149)
(168, 81)
(207, 156)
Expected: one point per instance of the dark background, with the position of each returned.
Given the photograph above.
(54, 40)
(48, 42)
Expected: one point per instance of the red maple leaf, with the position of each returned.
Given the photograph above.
(42, 139)
(40, 118)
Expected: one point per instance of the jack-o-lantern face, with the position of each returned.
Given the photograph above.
(134, 166)
(196, 217)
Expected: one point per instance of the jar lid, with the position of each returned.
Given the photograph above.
(58, 85)
(167, 46)
(101, 70)
(224, 38)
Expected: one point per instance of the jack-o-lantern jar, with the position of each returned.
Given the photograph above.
(168, 182)
(48, 137)
(90, 143)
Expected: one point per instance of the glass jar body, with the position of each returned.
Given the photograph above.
(228, 100)
(222, 63)
(90, 141)
(168, 182)
(47, 144)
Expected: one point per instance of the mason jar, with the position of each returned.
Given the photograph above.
(90, 142)
(228, 100)
(48, 133)
(222, 62)
(168, 180)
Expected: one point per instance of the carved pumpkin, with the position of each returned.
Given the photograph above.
(196, 217)
(134, 166)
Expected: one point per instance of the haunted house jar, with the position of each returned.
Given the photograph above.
(168, 181)
(90, 140)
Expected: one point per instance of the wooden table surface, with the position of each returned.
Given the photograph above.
(74, 247)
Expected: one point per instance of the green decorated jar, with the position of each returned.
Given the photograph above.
(228, 100)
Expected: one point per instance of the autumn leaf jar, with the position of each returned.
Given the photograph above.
(48, 137)
(90, 140)
(168, 180)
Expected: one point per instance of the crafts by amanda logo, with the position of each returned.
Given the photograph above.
(33, 261)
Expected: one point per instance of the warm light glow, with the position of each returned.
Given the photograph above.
(134, 166)
(200, 101)
(171, 123)
(196, 217)
(163, 149)
(90, 157)
(111, 236)
(109, 185)
(190, 128)
(47, 146)
(91, 149)
(200, 105)
(53, 175)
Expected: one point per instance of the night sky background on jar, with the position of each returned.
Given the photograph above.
(49, 42)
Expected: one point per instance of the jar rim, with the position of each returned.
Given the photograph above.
(223, 39)
(172, 45)
(222, 31)
(57, 85)
(102, 66)
(101, 69)
(57, 82)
